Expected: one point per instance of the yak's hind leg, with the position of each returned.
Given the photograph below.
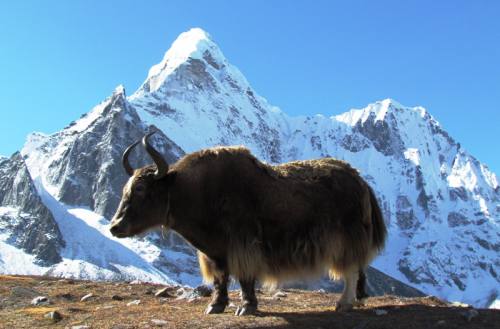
(217, 273)
(361, 286)
(248, 300)
(346, 301)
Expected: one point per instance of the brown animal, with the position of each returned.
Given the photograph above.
(255, 221)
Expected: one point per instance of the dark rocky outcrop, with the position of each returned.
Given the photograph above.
(90, 172)
(29, 224)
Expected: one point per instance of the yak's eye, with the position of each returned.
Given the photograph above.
(140, 188)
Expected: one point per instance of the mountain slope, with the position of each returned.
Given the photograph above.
(25, 222)
(440, 203)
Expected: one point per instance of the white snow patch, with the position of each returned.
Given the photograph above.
(495, 305)
(413, 155)
(14, 260)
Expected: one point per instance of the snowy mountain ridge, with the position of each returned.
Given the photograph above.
(442, 206)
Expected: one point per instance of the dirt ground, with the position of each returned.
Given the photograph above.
(112, 306)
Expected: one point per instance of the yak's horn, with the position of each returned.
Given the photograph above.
(125, 162)
(161, 164)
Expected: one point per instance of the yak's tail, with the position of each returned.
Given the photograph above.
(379, 231)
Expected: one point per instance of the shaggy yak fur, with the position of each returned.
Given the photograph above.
(259, 222)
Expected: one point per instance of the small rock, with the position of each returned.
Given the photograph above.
(203, 291)
(54, 316)
(80, 327)
(24, 292)
(189, 295)
(134, 302)
(279, 294)
(163, 292)
(116, 297)
(86, 297)
(149, 291)
(441, 323)
(381, 312)
(40, 300)
(322, 291)
(159, 323)
(470, 314)
(180, 291)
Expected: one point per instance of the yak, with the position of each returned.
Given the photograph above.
(257, 222)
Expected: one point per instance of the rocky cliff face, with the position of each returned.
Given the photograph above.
(441, 203)
(81, 165)
(25, 222)
(442, 206)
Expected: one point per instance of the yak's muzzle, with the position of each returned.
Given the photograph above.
(119, 228)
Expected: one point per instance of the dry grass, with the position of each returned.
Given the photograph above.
(299, 309)
(41, 310)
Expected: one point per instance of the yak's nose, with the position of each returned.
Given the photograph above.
(117, 228)
(114, 230)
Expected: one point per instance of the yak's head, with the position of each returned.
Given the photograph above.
(144, 203)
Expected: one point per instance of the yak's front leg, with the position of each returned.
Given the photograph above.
(248, 300)
(220, 298)
(217, 273)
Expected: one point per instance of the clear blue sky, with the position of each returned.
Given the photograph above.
(60, 58)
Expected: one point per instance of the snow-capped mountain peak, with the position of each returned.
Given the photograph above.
(193, 44)
(379, 110)
(119, 90)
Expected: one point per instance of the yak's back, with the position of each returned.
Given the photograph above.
(305, 170)
(214, 156)
(311, 169)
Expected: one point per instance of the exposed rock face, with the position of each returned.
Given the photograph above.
(383, 134)
(26, 221)
(89, 171)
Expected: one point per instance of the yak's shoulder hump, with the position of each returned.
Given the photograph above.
(218, 153)
(311, 169)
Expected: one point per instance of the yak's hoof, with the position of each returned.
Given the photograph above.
(359, 302)
(215, 308)
(343, 307)
(246, 309)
